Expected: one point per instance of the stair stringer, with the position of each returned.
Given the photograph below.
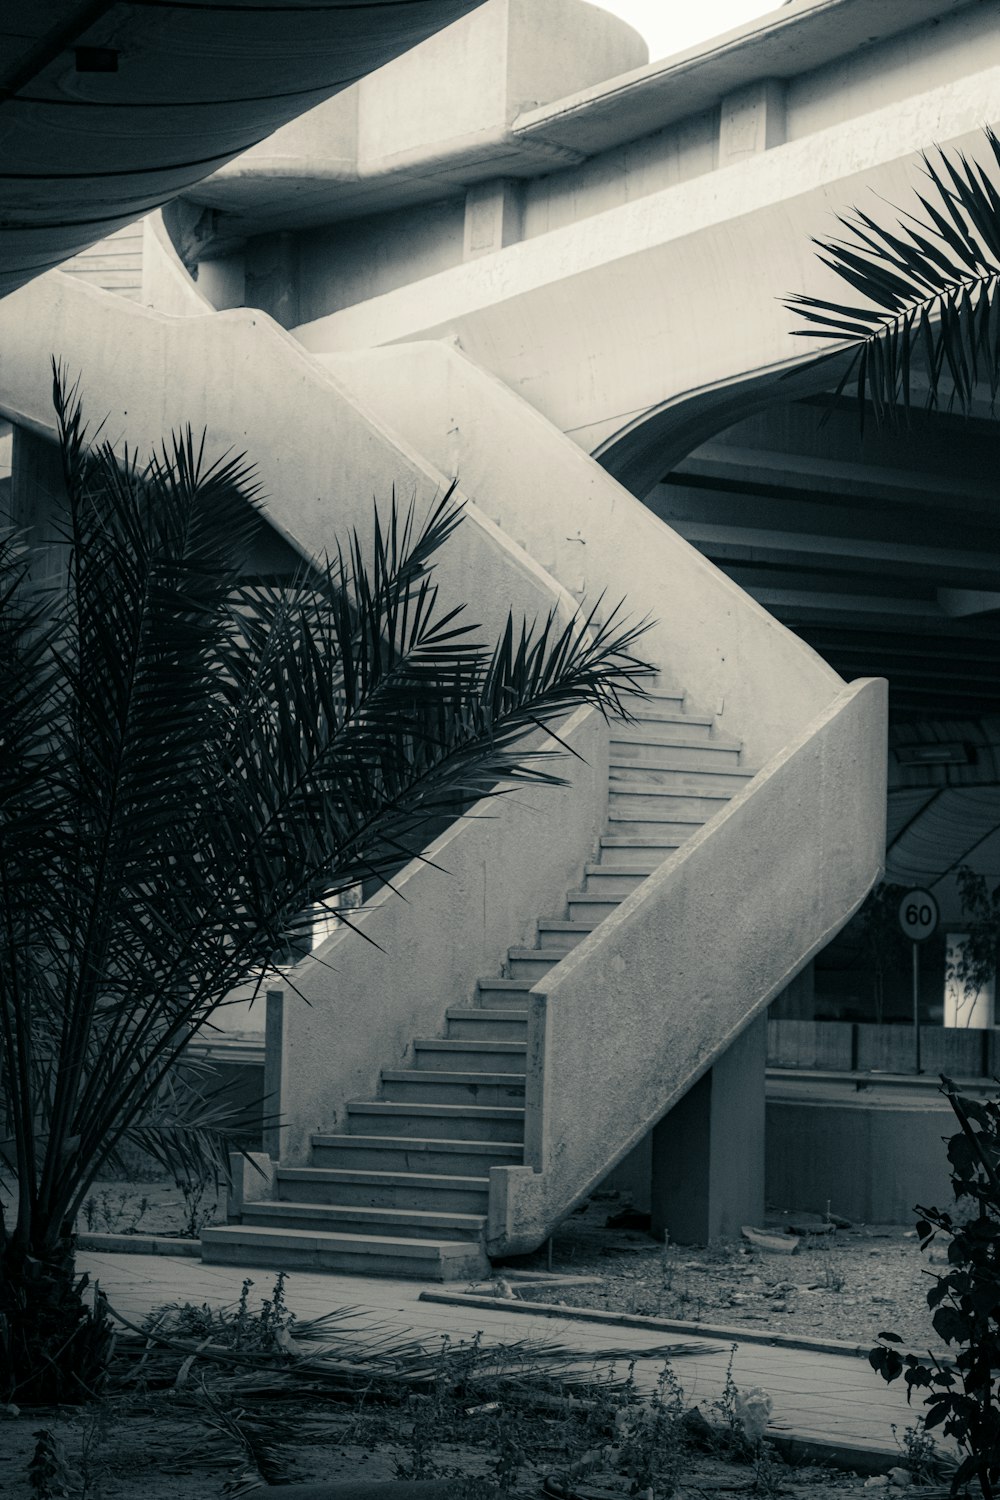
(671, 978)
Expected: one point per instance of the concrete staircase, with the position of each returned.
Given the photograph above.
(404, 1190)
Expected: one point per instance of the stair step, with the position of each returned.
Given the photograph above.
(356, 1254)
(442, 1122)
(494, 994)
(411, 1222)
(442, 1053)
(420, 1085)
(656, 697)
(589, 908)
(565, 935)
(346, 1187)
(628, 851)
(400, 1153)
(504, 1024)
(646, 802)
(615, 882)
(678, 831)
(695, 750)
(532, 963)
(681, 779)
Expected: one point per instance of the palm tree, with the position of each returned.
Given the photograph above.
(929, 316)
(191, 761)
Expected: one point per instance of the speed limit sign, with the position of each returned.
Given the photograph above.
(918, 915)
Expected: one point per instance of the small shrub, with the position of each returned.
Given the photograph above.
(962, 1394)
(48, 1472)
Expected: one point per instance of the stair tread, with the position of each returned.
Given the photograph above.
(548, 955)
(717, 742)
(599, 869)
(481, 1013)
(426, 1143)
(635, 841)
(655, 789)
(563, 924)
(264, 1233)
(595, 898)
(451, 1111)
(505, 984)
(701, 771)
(441, 1075)
(376, 1178)
(286, 1209)
(462, 1045)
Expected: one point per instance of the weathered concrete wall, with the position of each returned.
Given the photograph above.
(421, 946)
(762, 683)
(348, 263)
(624, 173)
(690, 957)
(586, 323)
(321, 459)
(870, 1163)
(167, 286)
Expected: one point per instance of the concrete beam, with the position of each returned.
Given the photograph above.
(898, 559)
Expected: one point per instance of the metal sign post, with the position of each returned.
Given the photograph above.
(918, 918)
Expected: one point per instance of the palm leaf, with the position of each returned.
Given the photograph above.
(930, 295)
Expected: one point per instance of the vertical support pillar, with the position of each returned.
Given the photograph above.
(37, 494)
(708, 1152)
(750, 120)
(493, 217)
(274, 1016)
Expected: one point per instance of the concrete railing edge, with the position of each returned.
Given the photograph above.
(815, 850)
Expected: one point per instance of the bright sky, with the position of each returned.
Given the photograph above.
(672, 25)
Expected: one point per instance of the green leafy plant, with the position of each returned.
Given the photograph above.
(962, 1393)
(928, 321)
(48, 1471)
(115, 1213)
(193, 760)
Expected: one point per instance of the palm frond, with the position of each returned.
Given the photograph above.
(930, 294)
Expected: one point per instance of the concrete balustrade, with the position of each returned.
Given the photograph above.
(421, 946)
(762, 683)
(661, 989)
(321, 459)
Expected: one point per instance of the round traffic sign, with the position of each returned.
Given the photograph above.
(918, 915)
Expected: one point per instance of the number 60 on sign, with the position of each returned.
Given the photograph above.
(918, 915)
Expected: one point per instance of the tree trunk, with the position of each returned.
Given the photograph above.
(54, 1349)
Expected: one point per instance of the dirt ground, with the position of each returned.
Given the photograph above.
(159, 1447)
(848, 1284)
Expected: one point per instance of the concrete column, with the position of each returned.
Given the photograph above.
(37, 496)
(707, 1174)
(493, 217)
(750, 120)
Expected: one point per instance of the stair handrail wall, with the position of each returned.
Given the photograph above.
(743, 905)
(658, 992)
(421, 946)
(761, 682)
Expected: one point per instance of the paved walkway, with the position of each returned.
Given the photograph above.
(819, 1396)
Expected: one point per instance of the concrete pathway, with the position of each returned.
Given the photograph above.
(835, 1398)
